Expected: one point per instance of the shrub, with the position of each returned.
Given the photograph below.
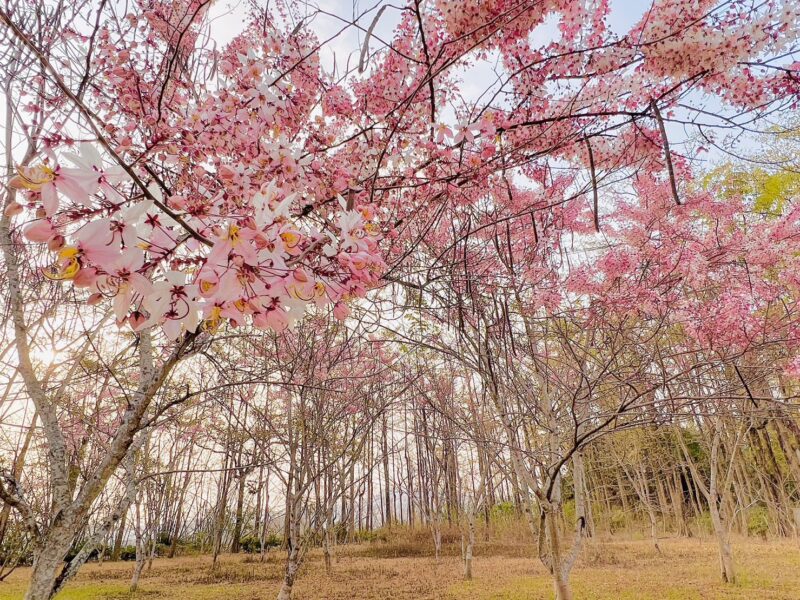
(365, 536)
(250, 544)
(758, 521)
(618, 520)
(704, 523)
(127, 553)
(569, 512)
(504, 511)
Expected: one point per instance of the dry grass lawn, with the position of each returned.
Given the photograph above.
(609, 569)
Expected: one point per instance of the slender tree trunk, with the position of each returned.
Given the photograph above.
(580, 488)
(469, 544)
(651, 515)
(560, 581)
(436, 532)
(326, 550)
(222, 507)
(119, 537)
(137, 569)
(370, 482)
(724, 543)
(151, 553)
(237, 528)
(410, 476)
(713, 500)
(292, 566)
(173, 546)
(327, 538)
(387, 490)
(623, 496)
(676, 494)
(262, 535)
(351, 521)
(294, 556)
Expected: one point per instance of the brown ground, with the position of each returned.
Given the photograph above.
(609, 569)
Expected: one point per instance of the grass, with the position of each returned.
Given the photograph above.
(609, 568)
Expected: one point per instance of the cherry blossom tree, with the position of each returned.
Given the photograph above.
(187, 191)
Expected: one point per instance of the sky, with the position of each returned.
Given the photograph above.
(343, 43)
(226, 17)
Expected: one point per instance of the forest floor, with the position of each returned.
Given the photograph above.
(609, 569)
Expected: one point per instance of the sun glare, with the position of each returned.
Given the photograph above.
(45, 356)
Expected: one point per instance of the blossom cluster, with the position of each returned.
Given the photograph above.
(261, 266)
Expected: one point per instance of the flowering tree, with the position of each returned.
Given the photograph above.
(115, 234)
(187, 188)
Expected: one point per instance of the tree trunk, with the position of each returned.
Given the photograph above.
(48, 564)
(713, 500)
(469, 544)
(580, 490)
(119, 537)
(237, 528)
(173, 546)
(326, 550)
(387, 490)
(436, 530)
(137, 569)
(262, 534)
(222, 505)
(292, 566)
(676, 495)
(560, 582)
(651, 515)
(723, 540)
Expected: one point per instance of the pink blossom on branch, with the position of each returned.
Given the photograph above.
(262, 185)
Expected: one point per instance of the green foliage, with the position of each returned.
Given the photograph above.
(376, 535)
(127, 553)
(768, 192)
(568, 510)
(617, 520)
(776, 189)
(250, 544)
(503, 511)
(696, 450)
(704, 523)
(758, 521)
(198, 542)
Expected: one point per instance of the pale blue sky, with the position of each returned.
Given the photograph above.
(227, 18)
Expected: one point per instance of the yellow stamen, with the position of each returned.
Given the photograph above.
(296, 292)
(68, 252)
(290, 239)
(63, 271)
(212, 323)
(33, 178)
(233, 234)
(207, 286)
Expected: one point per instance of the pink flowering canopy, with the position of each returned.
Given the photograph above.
(243, 184)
